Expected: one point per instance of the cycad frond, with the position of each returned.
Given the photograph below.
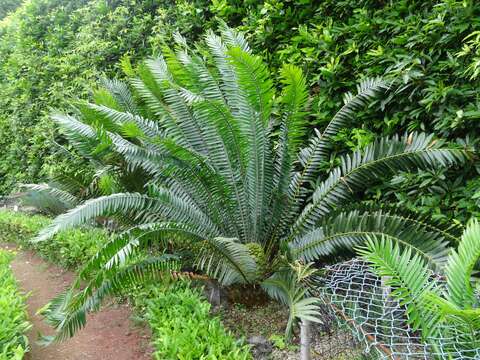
(294, 98)
(234, 38)
(48, 199)
(226, 260)
(409, 278)
(81, 136)
(318, 148)
(286, 287)
(460, 267)
(67, 313)
(142, 208)
(121, 94)
(382, 158)
(347, 230)
(148, 128)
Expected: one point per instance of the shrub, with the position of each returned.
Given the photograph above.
(183, 328)
(69, 248)
(18, 228)
(13, 314)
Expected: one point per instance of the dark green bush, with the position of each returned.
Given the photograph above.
(68, 249)
(183, 327)
(13, 314)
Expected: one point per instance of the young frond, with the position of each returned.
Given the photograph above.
(294, 98)
(407, 275)
(460, 268)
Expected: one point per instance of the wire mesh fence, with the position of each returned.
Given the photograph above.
(354, 298)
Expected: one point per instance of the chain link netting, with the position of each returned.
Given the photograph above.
(357, 299)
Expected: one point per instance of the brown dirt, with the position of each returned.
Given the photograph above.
(109, 334)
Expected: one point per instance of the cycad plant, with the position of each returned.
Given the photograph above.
(446, 312)
(227, 178)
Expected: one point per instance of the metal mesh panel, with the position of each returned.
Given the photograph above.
(355, 296)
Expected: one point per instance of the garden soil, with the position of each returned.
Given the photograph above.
(109, 334)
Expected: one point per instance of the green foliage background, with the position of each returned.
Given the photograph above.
(52, 51)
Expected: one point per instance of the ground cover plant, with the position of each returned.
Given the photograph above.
(69, 249)
(228, 182)
(182, 325)
(13, 314)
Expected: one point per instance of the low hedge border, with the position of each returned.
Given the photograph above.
(13, 313)
(69, 249)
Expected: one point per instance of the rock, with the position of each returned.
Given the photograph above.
(261, 347)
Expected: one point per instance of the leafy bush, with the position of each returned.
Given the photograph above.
(16, 227)
(13, 314)
(183, 327)
(7, 6)
(68, 249)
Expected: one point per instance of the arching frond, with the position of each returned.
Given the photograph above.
(67, 313)
(460, 267)
(48, 199)
(348, 230)
(382, 158)
(141, 207)
(319, 145)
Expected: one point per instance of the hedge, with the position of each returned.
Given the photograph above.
(183, 327)
(13, 314)
(69, 249)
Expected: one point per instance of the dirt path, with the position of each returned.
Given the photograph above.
(109, 334)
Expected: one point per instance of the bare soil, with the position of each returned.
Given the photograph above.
(109, 334)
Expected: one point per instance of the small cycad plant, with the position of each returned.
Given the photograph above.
(227, 177)
(444, 311)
